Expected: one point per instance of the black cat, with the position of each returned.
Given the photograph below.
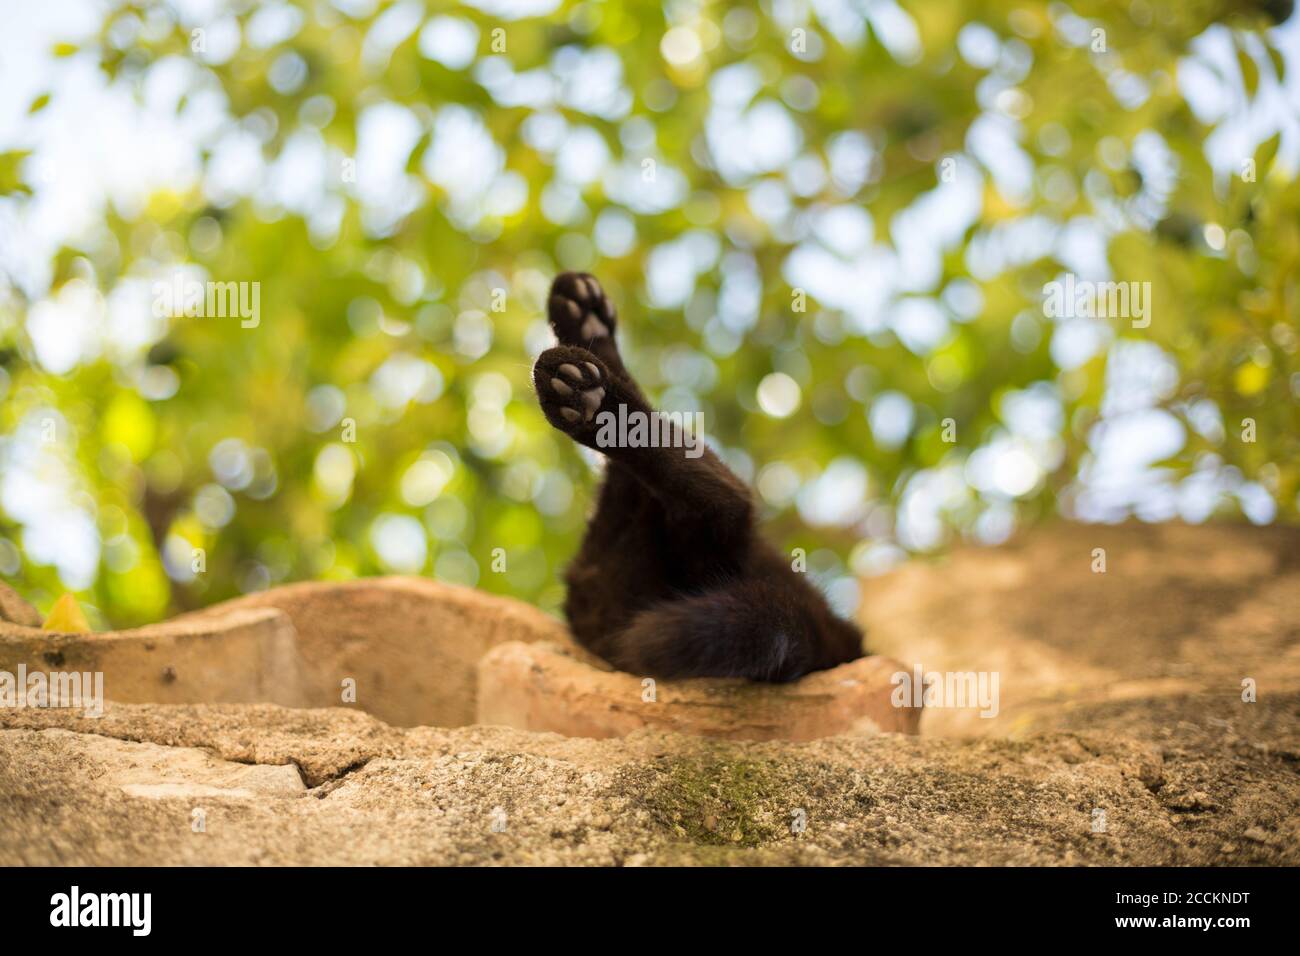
(673, 579)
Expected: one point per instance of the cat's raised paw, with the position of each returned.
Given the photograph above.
(571, 384)
(579, 311)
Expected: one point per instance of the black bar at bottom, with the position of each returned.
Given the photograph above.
(485, 906)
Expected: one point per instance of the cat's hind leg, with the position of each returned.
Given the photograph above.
(707, 510)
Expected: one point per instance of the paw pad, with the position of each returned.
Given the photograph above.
(579, 309)
(570, 388)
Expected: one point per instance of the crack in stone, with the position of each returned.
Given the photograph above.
(312, 779)
(335, 780)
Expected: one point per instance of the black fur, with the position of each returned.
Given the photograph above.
(673, 579)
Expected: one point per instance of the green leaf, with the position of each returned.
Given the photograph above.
(1265, 152)
(1249, 72)
(11, 180)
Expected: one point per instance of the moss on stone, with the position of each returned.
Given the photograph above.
(712, 801)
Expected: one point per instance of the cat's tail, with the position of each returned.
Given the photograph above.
(753, 629)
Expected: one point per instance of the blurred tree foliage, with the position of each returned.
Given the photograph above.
(408, 321)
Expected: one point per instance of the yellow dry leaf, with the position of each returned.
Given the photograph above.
(66, 617)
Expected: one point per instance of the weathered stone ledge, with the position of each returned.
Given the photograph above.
(549, 687)
(416, 652)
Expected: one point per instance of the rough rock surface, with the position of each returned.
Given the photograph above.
(412, 651)
(411, 645)
(1122, 737)
(1180, 610)
(404, 649)
(16, 610)
(241, 655)
(483, 795)
(544, 686)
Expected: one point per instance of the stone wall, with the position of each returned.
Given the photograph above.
(1125, 733)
